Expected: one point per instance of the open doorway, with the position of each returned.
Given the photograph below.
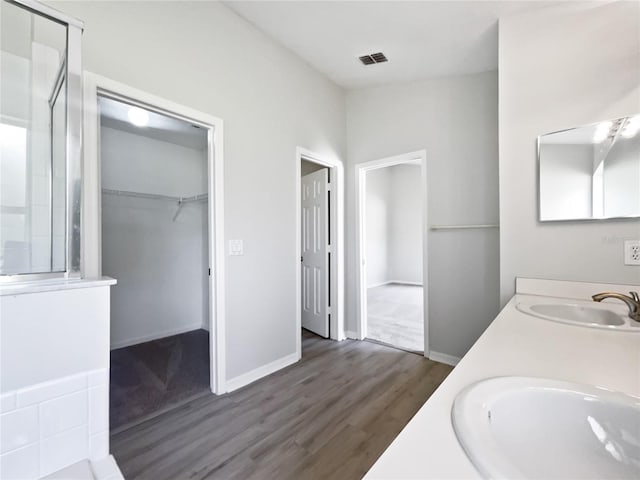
(392, 251)
(155, 237)
(320, 239)
(200, 205)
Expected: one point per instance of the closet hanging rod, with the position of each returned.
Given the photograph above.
(462, 227)
(151, 196)
(196, 198)
(155, 196)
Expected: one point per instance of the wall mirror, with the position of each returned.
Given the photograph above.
(590, 172)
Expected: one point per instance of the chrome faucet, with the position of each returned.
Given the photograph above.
(633, 302)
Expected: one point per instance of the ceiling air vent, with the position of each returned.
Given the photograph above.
(373, 58)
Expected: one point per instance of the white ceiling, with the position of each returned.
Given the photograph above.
(422, 39)
(115, 114)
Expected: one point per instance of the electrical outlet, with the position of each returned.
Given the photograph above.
(632, 252)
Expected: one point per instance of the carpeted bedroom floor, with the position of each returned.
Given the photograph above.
(149, 378)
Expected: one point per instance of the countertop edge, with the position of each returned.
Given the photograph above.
(54, 285)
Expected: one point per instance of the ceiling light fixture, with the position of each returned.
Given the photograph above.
(138, 116)
(602, 132)
(632, 127)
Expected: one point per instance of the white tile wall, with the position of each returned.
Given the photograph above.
(18, 428)
(40, 190)
(98, 377)
(7, 402)
(54, 424)
(62, 413)
(64, 449)
(48, 390)
(98, 403)
(99, 445)
(21, 464)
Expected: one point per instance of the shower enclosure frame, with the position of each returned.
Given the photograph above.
(73, 144)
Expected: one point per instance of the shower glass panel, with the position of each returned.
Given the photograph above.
(33, 141)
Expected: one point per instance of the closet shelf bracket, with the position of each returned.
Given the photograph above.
(182, 201)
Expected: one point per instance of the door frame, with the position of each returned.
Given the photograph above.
(336, 224)
(361, 170)
(96, 86)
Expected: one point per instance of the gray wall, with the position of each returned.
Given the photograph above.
(621, 178)
(394, 225)
(582, 66)
(204, 56)
(455, 120)
(566, 180)
(378, 223)
(405, 224)
(161, 265)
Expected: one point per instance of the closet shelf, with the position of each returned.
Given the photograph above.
(462, 227)
(181, 201)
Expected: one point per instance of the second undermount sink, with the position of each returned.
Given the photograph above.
(526, 428)
(579, 313)
(576, 312)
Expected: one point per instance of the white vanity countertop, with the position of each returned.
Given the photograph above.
(54, 285)
(514, 344)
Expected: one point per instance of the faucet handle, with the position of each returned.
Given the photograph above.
(635, 296)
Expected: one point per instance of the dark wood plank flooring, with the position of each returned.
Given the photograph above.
(330, 415)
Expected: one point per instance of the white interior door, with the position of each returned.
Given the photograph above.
(315, 242)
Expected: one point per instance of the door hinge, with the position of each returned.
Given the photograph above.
(209, 272)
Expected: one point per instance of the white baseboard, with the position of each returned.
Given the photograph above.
(397, 282)
(444, 358)
(156, 335)
(404, 282)
(257, 373)
(352, 335)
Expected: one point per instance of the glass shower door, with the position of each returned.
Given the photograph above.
(33, 142)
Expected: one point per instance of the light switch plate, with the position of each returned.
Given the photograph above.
(236, 247)
(632, 252)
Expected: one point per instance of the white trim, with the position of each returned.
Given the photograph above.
(262, 371)
(47, 11)
(91, 235)
(382, 284)
(444, 358)
(396, 282)
(337, 226)
(154, 336)
(419, 157)
(352, 335)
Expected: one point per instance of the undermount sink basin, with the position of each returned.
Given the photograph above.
(589, 314)
(521, 427)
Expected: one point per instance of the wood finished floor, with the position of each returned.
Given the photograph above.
(330, 415)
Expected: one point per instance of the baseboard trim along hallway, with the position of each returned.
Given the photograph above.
(444, 358)
(257, 373)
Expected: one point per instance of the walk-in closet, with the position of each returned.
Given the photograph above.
(155, 241)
